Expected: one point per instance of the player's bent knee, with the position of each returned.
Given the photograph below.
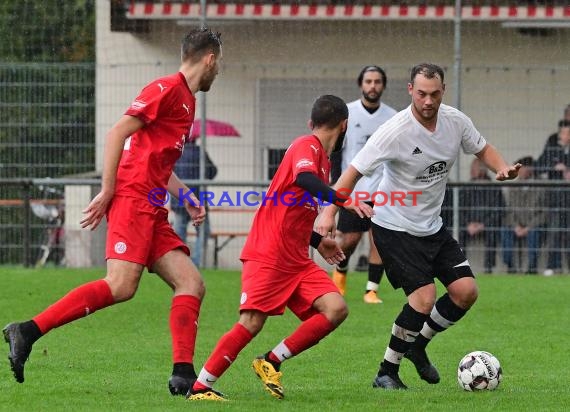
(471, 297)
(186, 283)
(423, 299)
(466, 297)
(425, 306)
(336, 313)
(123, 280)
(466, 301)
(201, 292)
(252, 320)
(123, 291)
(342, 314)
(195, 287)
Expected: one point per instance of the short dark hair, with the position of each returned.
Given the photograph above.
(328, 111)
(428, 70)
(198, 42)
(372, 68)
(563, 123)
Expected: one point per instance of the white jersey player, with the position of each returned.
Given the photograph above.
(418, 147)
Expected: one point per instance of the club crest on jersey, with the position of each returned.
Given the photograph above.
(303, 163)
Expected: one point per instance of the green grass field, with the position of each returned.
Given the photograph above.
(119, 358)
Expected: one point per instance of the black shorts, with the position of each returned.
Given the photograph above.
(349, 222)
(412, 261)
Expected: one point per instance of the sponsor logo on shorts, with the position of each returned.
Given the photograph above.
(120, 247)
(243, 298)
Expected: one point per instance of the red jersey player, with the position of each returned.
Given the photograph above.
(277, 271)
(140, 152)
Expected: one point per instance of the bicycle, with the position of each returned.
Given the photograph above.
(52, 211)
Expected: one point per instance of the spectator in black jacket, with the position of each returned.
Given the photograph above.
(525, 220)
(481, 213)
(555, 156)
(553, 163)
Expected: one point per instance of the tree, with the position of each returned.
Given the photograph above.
(47, 96)
(47, 31)
(47, 99)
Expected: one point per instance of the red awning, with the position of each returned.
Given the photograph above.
(233, 11)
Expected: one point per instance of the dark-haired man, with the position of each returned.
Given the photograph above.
(418, 147)
(277, 270)
(554, 163)
(140, 152)
(365, 116)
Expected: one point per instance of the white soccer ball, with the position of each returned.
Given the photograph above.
(479, 370)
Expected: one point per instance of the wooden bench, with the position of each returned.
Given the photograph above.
(227, 238)
(223, 238)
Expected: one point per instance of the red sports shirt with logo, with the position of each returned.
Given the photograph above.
(167, 108)
(283, 224)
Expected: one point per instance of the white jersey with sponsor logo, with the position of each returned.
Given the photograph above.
(416, 160)
(361, 125)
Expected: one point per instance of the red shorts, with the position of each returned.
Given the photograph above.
(139, 232)
(270, 290)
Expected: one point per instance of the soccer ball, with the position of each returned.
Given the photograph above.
(479, 370)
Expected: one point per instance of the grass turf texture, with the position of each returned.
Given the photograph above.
(120, 359)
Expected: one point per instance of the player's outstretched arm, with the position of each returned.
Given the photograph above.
(326, 225)
(317, 188)
(494, 161)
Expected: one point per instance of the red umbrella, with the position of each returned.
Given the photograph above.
(213, 128)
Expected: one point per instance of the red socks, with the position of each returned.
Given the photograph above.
(81, 301)
(227, 350)
(309, 333)
(90, 297)
(184, 314)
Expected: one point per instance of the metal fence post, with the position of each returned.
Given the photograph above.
(26, 229)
